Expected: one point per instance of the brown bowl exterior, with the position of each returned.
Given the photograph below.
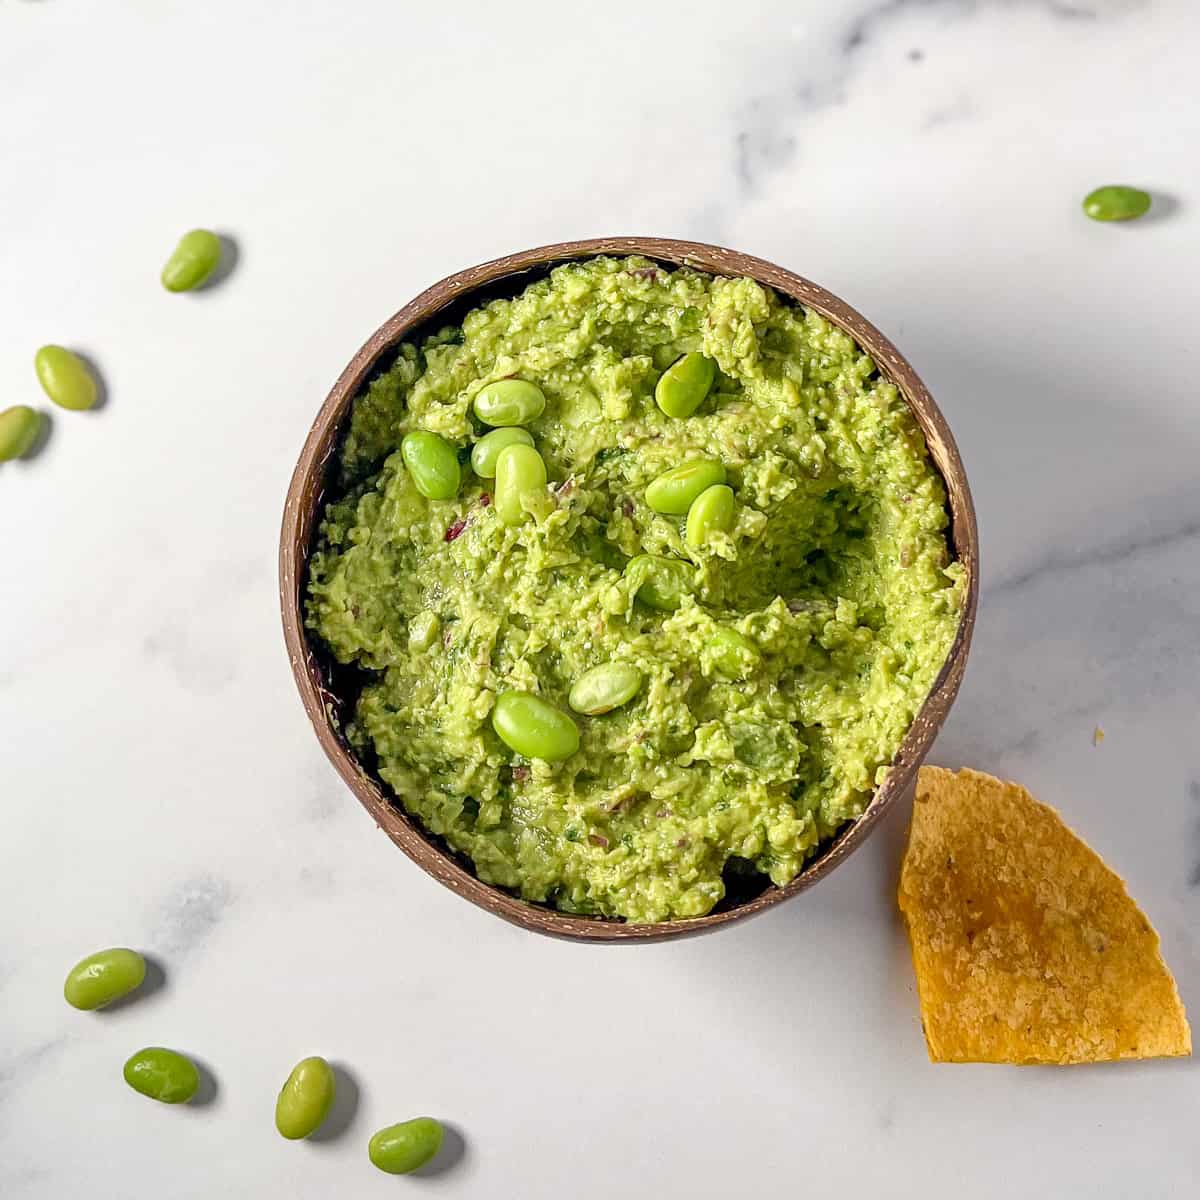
(505, 276)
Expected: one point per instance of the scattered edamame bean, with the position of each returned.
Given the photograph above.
(711, 511)
(19, 427)
(305, 1099)
(104, 977)
(682, 387)
(485, 451)
(674, 490)
(732, 653)
(402, 1148)
(509, 402)
(520, 472)
(65, 378)
(534, 728)
(604, 688)
(433, 464)
(661, 583)
(1116, 203)
(192, 261)
(163, 1075)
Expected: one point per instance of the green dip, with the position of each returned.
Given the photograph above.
(835, 570)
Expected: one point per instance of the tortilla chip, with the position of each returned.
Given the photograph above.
(1027, 948)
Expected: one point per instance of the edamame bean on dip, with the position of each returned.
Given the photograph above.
(775, 614)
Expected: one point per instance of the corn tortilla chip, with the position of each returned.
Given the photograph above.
(1027, 948)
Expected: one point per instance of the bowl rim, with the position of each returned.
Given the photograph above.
(306, 493)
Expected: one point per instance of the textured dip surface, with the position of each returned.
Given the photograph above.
(835, 571)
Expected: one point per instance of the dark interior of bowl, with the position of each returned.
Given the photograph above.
(339, 685)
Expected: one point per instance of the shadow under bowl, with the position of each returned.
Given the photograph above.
(328, 689)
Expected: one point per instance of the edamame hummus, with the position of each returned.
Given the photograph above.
(607, 685)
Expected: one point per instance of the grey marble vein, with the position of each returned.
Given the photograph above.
(1118, 620)
(198, 666)
(1110, 554)
(962, 108)
(13, 1066)
(868, 25)
(189, 913)
(864, 29)
(317, 880)
(765, 138)
(325, 795)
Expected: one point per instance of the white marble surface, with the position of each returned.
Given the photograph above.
(160, 786)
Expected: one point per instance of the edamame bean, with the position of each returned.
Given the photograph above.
(1116, 203)
(485, 451)
(163, 1075)
(423, 630)
(192, 261)
(529, 725)
(65, 378)
(661, 583)
(509, 402)
(682, 387)
(401, 1148)
(104, 977)
(604, 688)
(674, 490)
(520, 472)
(732, 653)
(305, 1099)
(711, 511)
(433, 464)
(19, 427)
